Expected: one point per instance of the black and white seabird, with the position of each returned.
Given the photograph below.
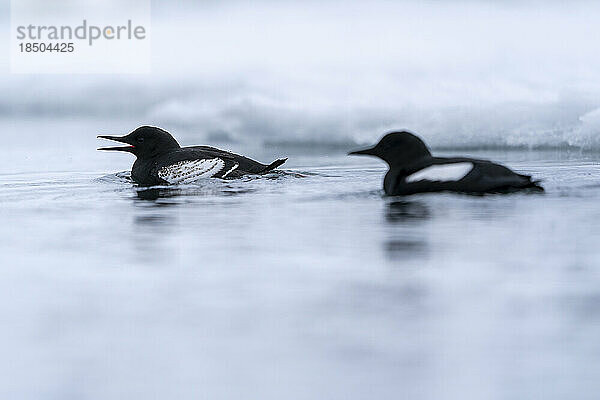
(414, 170)
(160, 160)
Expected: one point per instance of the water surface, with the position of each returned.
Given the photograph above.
(307, 283)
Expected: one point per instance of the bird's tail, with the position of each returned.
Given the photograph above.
(274, 165)
(531, 183)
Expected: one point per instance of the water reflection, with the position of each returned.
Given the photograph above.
(153, 220)
(152, 194)
(405, 246)
(155, 194)
(405, 211)
(406, 239)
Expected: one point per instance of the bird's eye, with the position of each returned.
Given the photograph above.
(140, 139)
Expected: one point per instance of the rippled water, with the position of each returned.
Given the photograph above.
(302, 284)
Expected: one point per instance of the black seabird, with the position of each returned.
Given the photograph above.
(414, 170)
(160, 160)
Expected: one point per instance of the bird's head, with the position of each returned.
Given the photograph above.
(144, 142)
(397, 149)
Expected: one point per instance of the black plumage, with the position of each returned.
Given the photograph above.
(161, 160)
(412, 169)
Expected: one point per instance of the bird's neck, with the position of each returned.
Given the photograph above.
(406, 165)
(390, 180)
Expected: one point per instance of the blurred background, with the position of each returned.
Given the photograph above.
(463, 73)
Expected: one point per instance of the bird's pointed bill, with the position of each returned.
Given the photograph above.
(369, 151)
(120, 139)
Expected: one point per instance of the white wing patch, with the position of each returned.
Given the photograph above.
(442, 172)
(191, 171)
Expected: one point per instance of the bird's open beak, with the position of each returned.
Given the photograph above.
(120, 139)
(369, 151)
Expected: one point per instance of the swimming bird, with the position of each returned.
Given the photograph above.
(412, 169)
(161, 160)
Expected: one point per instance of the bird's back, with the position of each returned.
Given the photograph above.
(466, 175)
(245, 164)
(189, 164)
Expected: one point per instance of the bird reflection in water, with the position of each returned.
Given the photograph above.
(406, 240)
(406, 211)
(155, 193)
(162, 193)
